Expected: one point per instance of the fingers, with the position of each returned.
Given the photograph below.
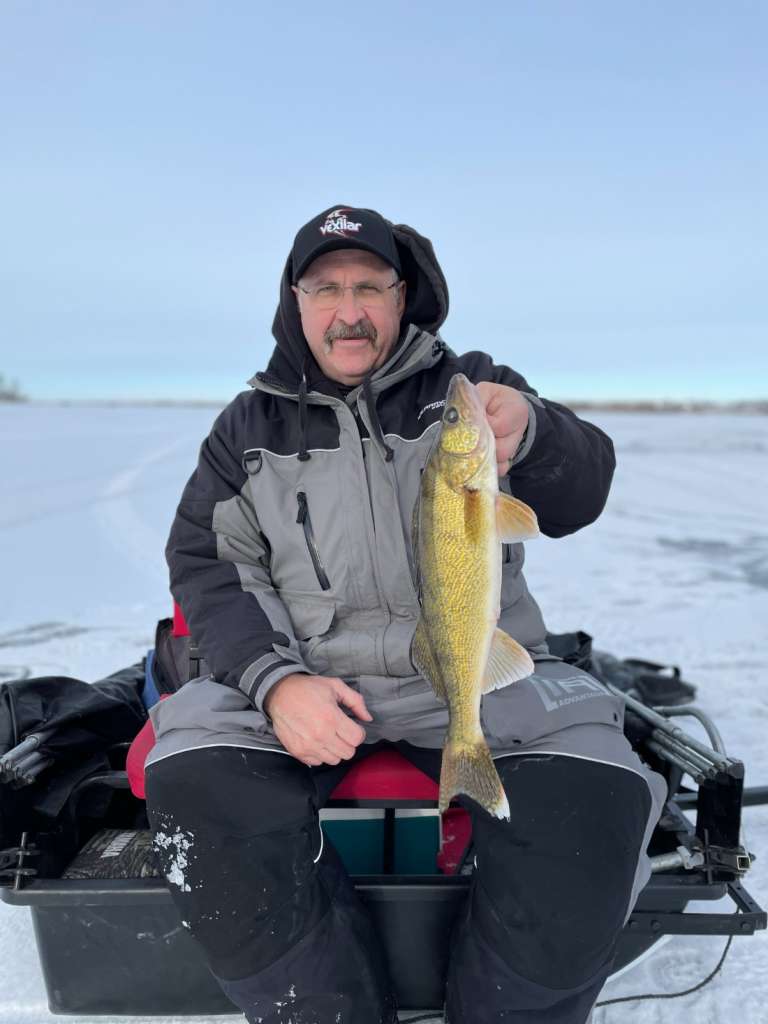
(308, 718)
(313, 755)
(488, 392)
(506, 448)
(506, 410)
(334, 753)
(494, 398)
(314, 747)
(348, 731)
(353, 700)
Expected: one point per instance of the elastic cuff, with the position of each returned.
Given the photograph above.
(529, 436)
(259, 678)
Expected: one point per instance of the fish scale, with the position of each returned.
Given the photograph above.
(460, 593)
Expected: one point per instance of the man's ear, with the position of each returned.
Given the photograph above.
(295, 291)
(401, 303)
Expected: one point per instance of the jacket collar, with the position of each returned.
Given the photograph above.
(419, 350)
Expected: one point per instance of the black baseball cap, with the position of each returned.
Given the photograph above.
(344, 227)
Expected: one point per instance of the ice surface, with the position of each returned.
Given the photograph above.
(675, 570)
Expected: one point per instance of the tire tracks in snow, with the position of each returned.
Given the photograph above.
(123, 523)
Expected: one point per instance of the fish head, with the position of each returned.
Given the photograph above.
(465, 441)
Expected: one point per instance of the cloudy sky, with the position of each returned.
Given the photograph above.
(593, 176)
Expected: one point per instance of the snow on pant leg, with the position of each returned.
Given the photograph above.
(283, 930)
(554, 885)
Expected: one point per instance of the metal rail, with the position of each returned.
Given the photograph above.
(693, 712)
(663, 725)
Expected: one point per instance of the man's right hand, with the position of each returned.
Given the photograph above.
(309, 722)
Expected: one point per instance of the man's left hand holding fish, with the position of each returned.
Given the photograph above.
(507, 413)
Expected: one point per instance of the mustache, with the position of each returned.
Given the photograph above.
(362, 329)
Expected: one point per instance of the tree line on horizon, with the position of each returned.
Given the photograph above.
(10, 391)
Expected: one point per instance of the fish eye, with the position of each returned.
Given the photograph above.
(451, 415)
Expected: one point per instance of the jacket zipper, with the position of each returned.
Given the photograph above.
(309, 537)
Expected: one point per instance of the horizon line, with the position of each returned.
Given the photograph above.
(638, 404)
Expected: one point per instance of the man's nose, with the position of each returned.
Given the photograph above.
(349, 309)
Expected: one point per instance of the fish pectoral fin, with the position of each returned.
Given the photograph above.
(514, 519)
(508, 662)
(423, 658)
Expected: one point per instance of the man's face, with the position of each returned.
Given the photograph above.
(356, 337)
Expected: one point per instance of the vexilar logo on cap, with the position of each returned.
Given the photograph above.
(336, 223)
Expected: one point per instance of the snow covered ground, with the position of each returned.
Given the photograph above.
(676, 570)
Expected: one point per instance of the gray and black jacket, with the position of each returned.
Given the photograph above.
(291, 549)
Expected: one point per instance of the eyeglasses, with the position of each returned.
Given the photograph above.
(330, 296)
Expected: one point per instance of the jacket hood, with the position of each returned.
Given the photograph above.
(426, 306)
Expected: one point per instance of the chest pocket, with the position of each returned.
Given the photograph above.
(310, 617)
(304, 519)
(296, 505)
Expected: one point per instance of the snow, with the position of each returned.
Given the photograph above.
(676, 570)
(180, 843)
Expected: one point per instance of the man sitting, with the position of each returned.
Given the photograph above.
(291, 559)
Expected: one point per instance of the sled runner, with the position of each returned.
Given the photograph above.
(74, 843)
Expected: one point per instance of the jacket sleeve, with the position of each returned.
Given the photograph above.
(219, 570)
(564, 466)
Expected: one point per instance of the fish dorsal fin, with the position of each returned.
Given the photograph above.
(423, 657)
(514, 519)
(507, 662)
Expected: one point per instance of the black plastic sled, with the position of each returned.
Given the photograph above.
(110, 940)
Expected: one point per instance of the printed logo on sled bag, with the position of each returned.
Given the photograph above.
(336, 223)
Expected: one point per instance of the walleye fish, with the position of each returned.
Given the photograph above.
(459, 522)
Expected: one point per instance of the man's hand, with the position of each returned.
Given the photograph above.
(507, 412)
(308, 721)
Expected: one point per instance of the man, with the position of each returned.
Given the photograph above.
(291, 559)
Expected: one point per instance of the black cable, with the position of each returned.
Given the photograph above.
(672, 995)
(630, 999)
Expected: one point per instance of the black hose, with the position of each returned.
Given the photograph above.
(672, 995)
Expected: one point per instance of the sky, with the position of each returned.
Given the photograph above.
(592, 175)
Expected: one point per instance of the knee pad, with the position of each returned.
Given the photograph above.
(553, 884)
(238, 839)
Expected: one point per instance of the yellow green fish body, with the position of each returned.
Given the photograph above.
(459, 523)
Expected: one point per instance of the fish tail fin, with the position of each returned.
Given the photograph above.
(468, 768)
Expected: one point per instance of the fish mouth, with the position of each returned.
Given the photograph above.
(463, 396)
(462, 392)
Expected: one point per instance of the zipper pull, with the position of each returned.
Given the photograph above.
(302, 516)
